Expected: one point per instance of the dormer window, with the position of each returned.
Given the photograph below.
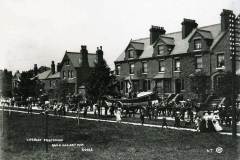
(130, 53)
(67, 62)
(197, 44)
(160, 49)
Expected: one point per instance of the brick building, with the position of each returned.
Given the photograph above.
(49, 78)
(72, 72)
(165, 61)
(77, 66)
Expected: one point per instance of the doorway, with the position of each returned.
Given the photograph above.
(177, 86)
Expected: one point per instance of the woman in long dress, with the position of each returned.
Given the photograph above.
(118, 115)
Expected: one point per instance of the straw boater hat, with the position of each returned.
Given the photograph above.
(217, 111)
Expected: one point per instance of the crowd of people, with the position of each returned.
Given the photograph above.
(184, 113)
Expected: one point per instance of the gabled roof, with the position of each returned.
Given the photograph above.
(43, 75)
(217, 39)
(137, 45)
(76, 59)
(204, 33)
(181, 45)
(166, 40)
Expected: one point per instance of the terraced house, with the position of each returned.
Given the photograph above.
(165, 61)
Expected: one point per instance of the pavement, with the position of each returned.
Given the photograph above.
(127, 123)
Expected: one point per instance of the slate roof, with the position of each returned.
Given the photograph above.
(167, 40)
(205, 34)
(43, 75)
(137, 45)
(54, 76)
(76, 59)
(181, 45)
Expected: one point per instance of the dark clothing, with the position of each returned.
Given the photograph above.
(85, 112)
(142, 118)
(177, 121)
(164, 122)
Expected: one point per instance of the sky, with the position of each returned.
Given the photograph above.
(39, 31)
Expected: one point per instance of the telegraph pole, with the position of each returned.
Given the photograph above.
(234, 32)
(46, 129)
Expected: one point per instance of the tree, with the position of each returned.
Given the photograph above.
(100, 82)
(61, 91)
(200, 84)
(29, 87)
(6, 83)
(223, 86)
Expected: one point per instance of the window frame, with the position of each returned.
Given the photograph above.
(177, 69)
(161, 66)
(67, 62)
(131, 53)
(64, 75)
(196, 62)
(144, 70)
(131, 69)
(218, 62)
(118, 68)
(160, 51)
(196, 46)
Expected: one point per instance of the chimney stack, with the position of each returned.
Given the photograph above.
(187, 26)
(53, 67)
(155, 32)
(35, 69)
(225, 16)
(99, 53)
(84, 53)
(58, 67)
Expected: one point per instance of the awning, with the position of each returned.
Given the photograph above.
(143, 94)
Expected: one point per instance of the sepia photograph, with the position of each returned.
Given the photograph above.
(120, 80)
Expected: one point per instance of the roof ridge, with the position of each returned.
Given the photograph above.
(209, 25)
(140, 39)
(203, 30)
(73, 52)
(166, 37)
(200, 28)
(137, 42)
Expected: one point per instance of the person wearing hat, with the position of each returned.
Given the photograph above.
(118, 115)
(142, 116)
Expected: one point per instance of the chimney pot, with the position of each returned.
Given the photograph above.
(53, 67)
(155, 32)
(83, 47)
(84, 53)
(187, 27)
